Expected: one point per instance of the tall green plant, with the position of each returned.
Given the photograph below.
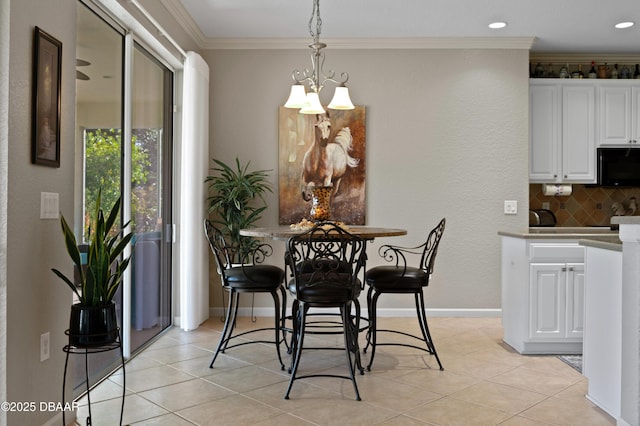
(237, 200)
(105, 266)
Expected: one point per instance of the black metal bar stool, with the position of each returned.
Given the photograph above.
(325, 262)
(403, 279)
(249, 276)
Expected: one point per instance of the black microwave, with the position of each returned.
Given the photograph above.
(619, 166)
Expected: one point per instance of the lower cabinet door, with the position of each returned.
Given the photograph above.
(548, 301)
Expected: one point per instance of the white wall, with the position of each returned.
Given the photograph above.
(446, 137)
(37, 301)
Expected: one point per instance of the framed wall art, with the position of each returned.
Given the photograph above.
(47, 67)
(319, 151)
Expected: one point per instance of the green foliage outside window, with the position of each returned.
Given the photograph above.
(103, 159)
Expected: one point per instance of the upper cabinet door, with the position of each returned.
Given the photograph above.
(615, 115)
(544, 133)
(578, 134)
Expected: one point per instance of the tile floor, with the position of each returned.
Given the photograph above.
(484, 383)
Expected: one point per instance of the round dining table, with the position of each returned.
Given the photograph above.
(286, 232)
(367, 233)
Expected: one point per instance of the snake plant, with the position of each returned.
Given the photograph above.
(102, 274)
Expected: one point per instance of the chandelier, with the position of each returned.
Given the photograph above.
(316, 78)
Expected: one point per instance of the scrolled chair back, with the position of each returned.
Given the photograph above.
(431, 247)
(427, 251)
(231, 261)
(218, 246)
(327, 258)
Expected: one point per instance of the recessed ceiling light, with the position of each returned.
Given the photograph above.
(497, 25)
(627, 24)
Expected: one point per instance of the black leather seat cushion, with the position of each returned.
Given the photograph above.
(393, 279)
(329, 292)
(263, 277)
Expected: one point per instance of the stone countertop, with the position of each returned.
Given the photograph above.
(626, 220)
(565, 233)
(607, 242)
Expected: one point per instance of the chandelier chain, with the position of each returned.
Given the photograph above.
(315, 14)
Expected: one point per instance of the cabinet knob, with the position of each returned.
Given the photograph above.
(564, 269)
(570, 268)
(565, 176)
(555, 176)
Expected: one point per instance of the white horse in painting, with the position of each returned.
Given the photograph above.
(325, 162)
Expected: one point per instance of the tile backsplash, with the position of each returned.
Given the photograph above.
(587, 205)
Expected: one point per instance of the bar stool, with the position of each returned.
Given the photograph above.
(403, 279)
(325, 262)
(250, 276)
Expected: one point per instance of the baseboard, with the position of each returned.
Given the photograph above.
(442, 312)
(385, 312)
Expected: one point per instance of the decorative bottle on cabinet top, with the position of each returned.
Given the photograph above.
(579, 73)
(564, 72)
(624, 72)
(603, 71)
(614, 72)
(592, 72)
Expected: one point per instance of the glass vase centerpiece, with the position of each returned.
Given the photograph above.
(320, 203)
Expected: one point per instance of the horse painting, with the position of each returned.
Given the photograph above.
(316, 152)
(326, 162)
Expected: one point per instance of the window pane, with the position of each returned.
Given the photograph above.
(150, 289)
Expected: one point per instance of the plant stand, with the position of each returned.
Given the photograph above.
(71, 349)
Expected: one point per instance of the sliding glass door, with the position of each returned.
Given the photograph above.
(98, 153)
(150, 197)
(124, 148)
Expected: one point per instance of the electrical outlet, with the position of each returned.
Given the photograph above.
(44, 346)
(510, 207)
(545, 205)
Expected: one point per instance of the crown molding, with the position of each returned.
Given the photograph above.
(184, 19)
(374, 43)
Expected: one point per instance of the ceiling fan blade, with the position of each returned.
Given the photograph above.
(81, 76)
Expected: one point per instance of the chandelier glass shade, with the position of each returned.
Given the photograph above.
(315, 78)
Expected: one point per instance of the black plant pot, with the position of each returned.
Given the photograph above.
(91, 326)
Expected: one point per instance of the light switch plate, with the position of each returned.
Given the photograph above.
(49, 206)
(510, 207)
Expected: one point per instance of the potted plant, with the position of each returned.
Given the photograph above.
(237, 200)
(93, 320)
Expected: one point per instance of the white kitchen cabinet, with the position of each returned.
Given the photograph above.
(619, 114)
(602, 360)
(543, 295)
(557, 300)
(562, 132)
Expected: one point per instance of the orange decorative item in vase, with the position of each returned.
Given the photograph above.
(321, 203)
